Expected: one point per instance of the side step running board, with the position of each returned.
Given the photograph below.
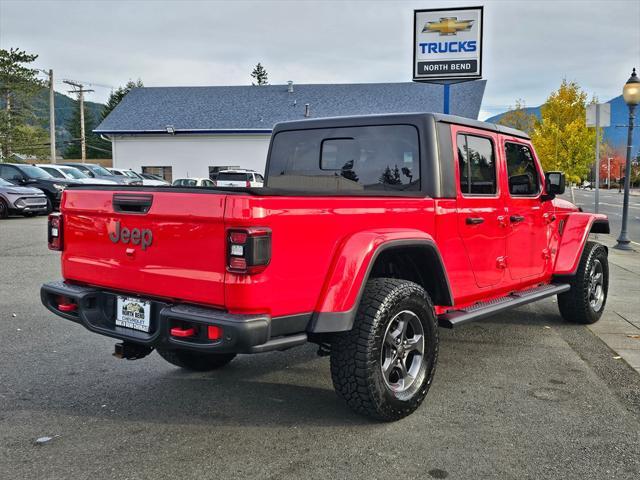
(486, 309)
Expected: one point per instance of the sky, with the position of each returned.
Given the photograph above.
(529, 46)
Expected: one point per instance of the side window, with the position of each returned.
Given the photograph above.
(259, 178)
(476, 159)
(521, 169)
(53, 172)
(10, 173)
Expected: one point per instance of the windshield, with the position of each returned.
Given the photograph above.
(374, 158)
(53, 172)
(132, 174)
(34, 172)
(98, 170)
(232, 176)
(73, 172)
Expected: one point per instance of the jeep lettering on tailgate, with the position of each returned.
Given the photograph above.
(136, 236)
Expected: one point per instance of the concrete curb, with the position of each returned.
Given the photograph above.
(619, 326)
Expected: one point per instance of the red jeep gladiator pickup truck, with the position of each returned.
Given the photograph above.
(369, 234)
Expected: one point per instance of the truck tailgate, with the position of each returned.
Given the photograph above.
(161, 244)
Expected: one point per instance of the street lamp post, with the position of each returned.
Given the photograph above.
(631, 95)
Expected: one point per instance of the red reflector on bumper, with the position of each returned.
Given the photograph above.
(214, 333)
(67, 307)
(183, 332)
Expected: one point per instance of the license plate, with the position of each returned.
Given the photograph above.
(133, 313)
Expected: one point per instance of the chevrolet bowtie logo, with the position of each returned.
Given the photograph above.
(448, 26)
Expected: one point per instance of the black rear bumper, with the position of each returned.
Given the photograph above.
(96, 311)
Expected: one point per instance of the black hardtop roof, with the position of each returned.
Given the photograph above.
(395, 118)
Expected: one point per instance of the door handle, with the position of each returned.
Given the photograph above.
(474, 220)
(516, 218)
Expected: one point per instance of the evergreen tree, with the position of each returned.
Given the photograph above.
(96, 146)
(18, 84)
(116, 97)
(260, 75)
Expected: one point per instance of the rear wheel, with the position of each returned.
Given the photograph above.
(200, 362)
(4, 208)
(585, 302)
(384, 366)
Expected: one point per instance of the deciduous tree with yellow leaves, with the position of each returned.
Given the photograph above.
(561, 138)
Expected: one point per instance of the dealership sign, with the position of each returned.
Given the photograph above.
(447, 44)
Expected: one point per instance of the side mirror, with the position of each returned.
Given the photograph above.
(554, 185)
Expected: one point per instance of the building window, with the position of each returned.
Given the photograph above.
(162, 172)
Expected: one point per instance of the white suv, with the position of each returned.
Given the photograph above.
(239, 178)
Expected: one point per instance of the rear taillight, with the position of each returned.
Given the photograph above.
(248, 249)
(54, 231)
(248, 183)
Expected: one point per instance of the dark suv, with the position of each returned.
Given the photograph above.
(28, 175)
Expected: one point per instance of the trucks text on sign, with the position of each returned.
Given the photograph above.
(447, 44)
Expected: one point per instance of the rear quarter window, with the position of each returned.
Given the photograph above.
(357, 159)
(232, 176)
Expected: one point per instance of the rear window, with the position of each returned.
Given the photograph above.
(232, 176)
(376, 158)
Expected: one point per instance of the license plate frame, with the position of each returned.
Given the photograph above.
(133, 313)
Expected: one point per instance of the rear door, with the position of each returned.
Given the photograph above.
(480, 204)
(161, 244)
(529, 217)
(232, 179)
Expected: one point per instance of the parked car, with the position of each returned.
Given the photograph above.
(30, 176)
(138, 176)
(586, 184)
(27, 201)
(371, 232)
(239, 178)
(97, 171)
(154, 180)
(72, 173)
(193, 182)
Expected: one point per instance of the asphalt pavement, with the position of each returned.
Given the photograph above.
(521, 395)
(611, 204)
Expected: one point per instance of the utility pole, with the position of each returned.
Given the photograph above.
(52, 118)
(79, 89)
(609, 174)
(597, 195)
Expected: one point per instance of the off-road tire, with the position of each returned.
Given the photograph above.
(575, 305)
(356, 363)
(4, 208)
(196, 361)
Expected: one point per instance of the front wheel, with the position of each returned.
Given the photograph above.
(383, 367)
(4, 208)
(585, 302)
(199, 362)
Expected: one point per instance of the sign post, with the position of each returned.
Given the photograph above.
(447, 47)
(598, 115)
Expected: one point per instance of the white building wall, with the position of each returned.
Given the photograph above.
(190, 155)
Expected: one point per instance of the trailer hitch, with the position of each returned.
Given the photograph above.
(131, 351)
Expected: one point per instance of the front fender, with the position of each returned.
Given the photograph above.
(350, 269)
(573, 238)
